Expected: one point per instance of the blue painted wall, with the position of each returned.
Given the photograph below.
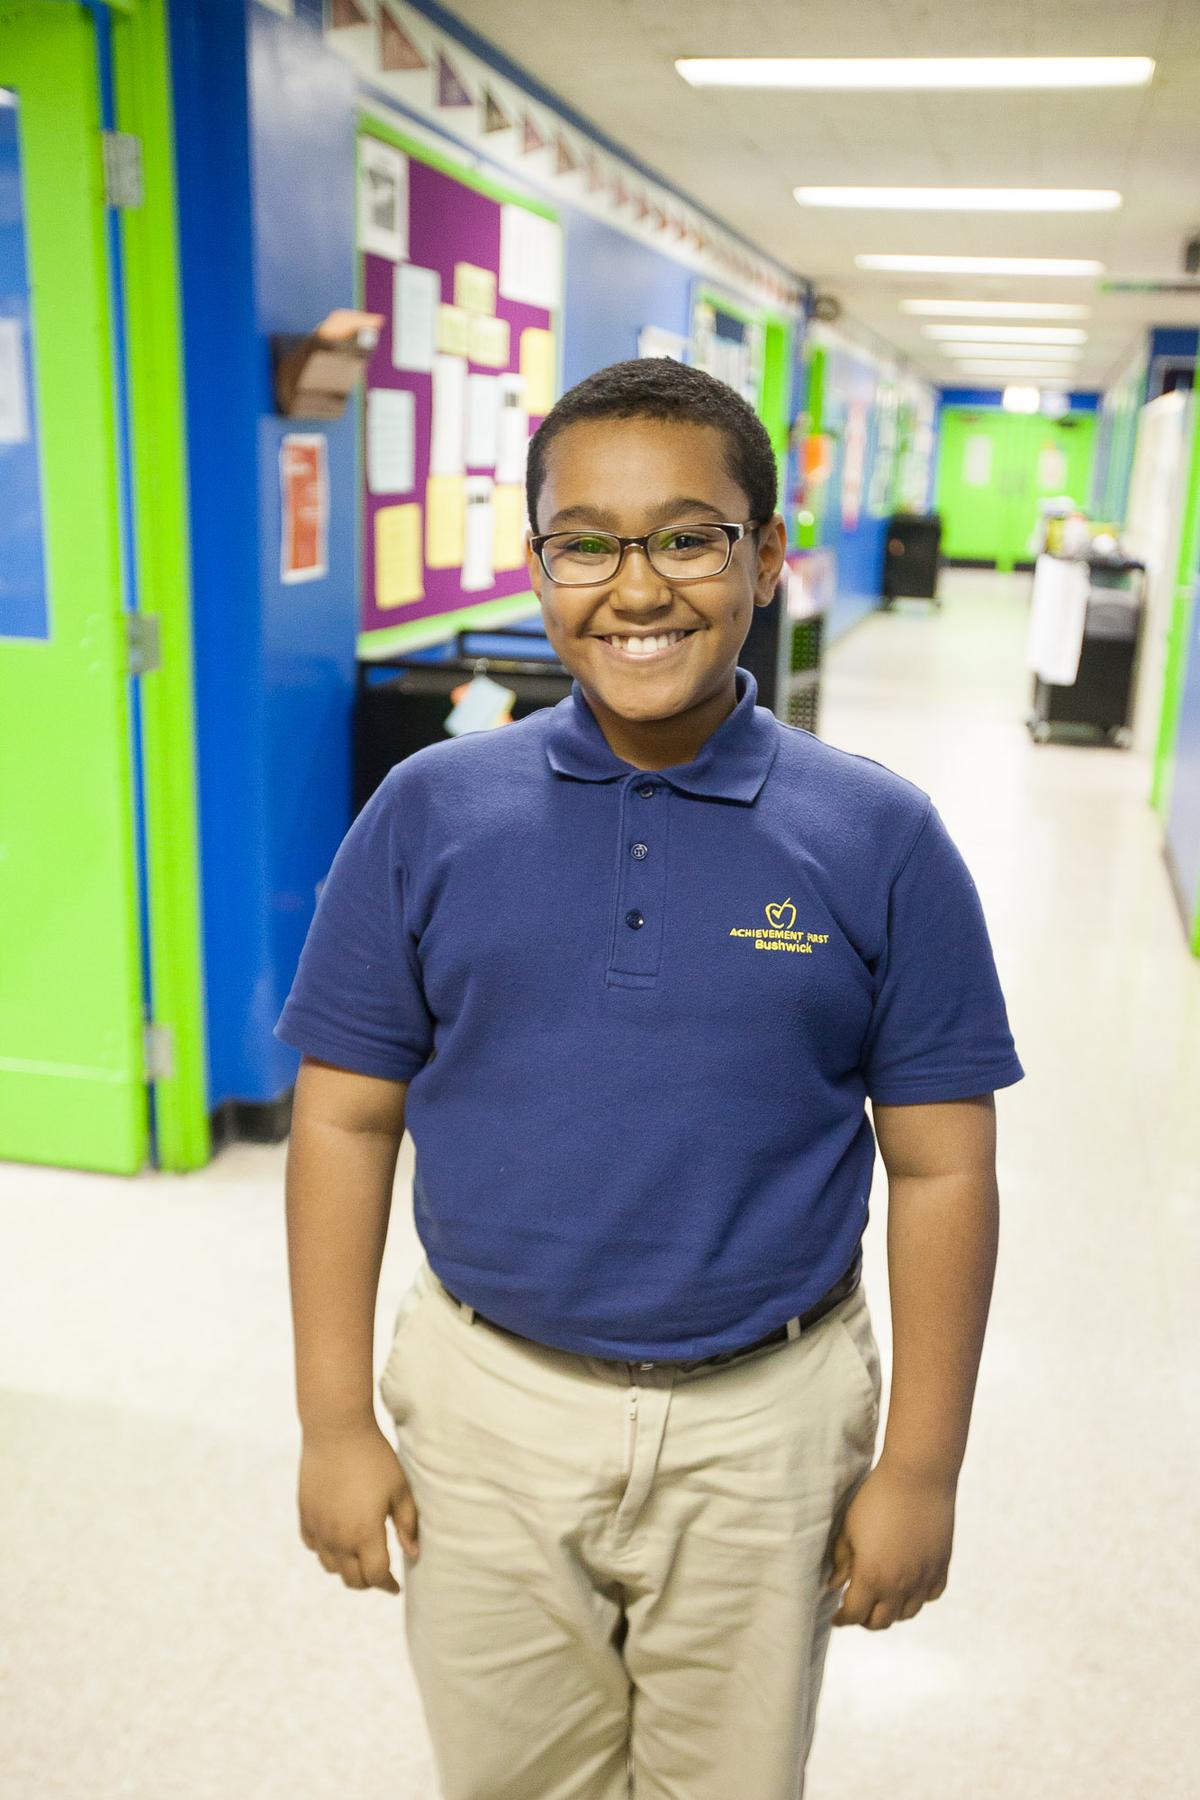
(613, 287)
(24, 612)
(1085, 401)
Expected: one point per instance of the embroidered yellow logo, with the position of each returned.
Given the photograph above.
(779, 932)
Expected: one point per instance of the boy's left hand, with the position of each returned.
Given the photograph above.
(893, 1547)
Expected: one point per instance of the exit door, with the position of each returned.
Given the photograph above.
(72, 1076)
(994, 468)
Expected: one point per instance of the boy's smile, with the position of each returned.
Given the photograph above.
(655, 657)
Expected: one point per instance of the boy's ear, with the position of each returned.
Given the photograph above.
(772, 549)
(534, 566)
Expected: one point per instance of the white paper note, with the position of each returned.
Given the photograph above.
(530, 257)
(417, 294)
(14, 409)
(477, 558)
(382, 199)
(391, 441)
(977, 460)
(512, 430)
(447, 451)
(483, 408)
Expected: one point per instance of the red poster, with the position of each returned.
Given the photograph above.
(304, 488)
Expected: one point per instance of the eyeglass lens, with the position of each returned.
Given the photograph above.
(680, 551)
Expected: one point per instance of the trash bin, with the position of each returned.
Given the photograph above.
(912, 557)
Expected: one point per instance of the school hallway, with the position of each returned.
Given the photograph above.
(176, 1640)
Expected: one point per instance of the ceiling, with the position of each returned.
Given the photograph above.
(741, 152)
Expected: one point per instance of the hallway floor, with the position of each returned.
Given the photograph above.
(168, 1636)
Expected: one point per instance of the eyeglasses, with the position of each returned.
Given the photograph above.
(677, 552)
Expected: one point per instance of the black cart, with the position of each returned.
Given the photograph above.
(1101, 696)
(912, 558)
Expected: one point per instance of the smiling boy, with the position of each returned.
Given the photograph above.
(635, 1384)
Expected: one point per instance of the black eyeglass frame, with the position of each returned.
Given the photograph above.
(734, 533)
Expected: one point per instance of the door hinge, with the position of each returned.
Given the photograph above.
(122, 168)
(144, 644)
(159, 1052)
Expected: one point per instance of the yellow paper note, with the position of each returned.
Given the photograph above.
(508, 527)
(445, 521)
(398, 576)
(452, 330)
(474, 288)
(537, 369)
(487, 341)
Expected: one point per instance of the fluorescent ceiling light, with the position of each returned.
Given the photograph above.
(982, 265)
(964, 199)
(858, 73)
(996, 309)
(1021, 399)
(1006, 371)
(1018, 352)
(1007, 334)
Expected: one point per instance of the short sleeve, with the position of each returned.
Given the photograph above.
(357, 1000)
(939, 1027)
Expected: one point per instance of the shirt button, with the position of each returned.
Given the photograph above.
(634, 920)
(646, 793)
(639, 851)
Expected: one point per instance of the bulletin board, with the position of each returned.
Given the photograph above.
(468, 280)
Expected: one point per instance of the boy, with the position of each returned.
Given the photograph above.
(628, 970)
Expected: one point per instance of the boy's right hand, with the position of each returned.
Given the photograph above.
(351, 1481)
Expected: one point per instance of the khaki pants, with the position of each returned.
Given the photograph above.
(621, 1581)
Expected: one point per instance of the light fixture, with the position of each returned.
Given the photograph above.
(996, 309)
(1009, 371)
(992, 352)
(982, 265)
(963, 199)
(1021, 399)
(850, 73)
(1005, 334)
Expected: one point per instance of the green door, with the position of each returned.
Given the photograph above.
(72, 1077)
(1048, 458)
(993, 469)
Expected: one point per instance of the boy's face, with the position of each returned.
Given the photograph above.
(630, 476)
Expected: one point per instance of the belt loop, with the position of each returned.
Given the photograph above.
(793, 1329)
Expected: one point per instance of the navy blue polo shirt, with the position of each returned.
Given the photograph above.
(640, 1014)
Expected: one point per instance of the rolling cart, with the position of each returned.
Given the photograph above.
(1100, 697)
(912, 558)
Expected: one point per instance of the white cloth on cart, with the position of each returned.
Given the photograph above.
(1056, 620)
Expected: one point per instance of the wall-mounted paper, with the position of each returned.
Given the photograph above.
(452, 334)
(537, 370)
(445, 521)
(416, 296)
(391, 441)
(530, 257)
(487, 341)
(398, 556)
(654, 341)
(304, 507)
(447, 448)
(382, 199)
(477, 556)
(483, 410)
(1052, 469)
(14, 408)
(512, 431)
(474, 288)
(508, 527)
(977, 460)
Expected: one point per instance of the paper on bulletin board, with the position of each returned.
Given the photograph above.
(487, 341)
(477, 550)
(447, 450)
(977, 460)
(416, 296)
(391, 440)
(382, 199)
(304, 495)
(474, 288)
(14, 408)
(453, 336)
(1052, 469)
(483, 412)
(512, 433)
(445, 521)
(530, 257)
(508, 526)
(398, 576)
(537, 370)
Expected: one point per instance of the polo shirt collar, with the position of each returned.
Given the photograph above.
(731, 765)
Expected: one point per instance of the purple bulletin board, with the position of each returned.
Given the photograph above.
(453, 217)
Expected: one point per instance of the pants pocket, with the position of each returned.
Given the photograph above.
(410, 1304)
(855, 1329)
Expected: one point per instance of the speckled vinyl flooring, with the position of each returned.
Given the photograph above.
(164, 1634)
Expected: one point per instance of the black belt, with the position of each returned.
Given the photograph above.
(841, 1290)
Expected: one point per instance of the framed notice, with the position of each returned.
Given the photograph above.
(304, 493)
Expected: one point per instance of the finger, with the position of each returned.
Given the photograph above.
(881, 1616)
(938, 1589)
(351, 1570)
(404, 1518)
(856, 1605)
(376, 1567)
(911, 1608)
(840, 1572)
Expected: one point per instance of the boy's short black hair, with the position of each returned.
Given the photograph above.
(656, 387)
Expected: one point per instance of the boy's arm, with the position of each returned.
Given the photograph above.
(943, 1210)
(341, 1162)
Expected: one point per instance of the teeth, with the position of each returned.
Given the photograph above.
(647, 646)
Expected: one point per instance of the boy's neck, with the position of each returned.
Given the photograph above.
(665, 743)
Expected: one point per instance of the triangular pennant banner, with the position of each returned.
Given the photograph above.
(347, 12)
(565, 160)
(660, 218)
(595, 175)
(643, 208)
(620, 192)
(531, 137)
(451, 89)
(681, 228)
(494, 116)
(396, 48)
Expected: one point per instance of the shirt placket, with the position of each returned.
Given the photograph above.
(641, 888)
